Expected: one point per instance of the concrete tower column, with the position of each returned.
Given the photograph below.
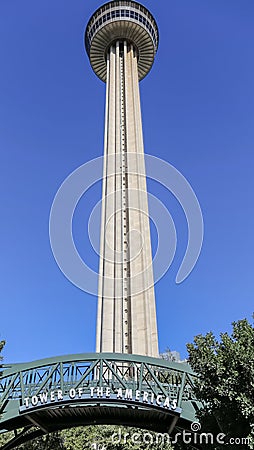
(121, 53)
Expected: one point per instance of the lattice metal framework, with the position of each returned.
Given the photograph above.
(58, 393)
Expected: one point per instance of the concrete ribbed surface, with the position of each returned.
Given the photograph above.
(127, 30)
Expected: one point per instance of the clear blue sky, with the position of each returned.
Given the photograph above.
(198, 114)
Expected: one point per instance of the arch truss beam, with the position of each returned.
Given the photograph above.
(101, 388)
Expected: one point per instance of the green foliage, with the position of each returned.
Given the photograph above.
(5, 437)
(226, 381)
(52, 441)
(80, 438)
(99, 437)
(112, 438)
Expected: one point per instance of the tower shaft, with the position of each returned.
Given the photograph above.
(126, 321)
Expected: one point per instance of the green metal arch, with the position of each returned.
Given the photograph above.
(101, 388)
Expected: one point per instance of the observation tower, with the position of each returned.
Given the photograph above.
(121, 41)
(123, 383)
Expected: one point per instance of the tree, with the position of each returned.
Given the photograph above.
(112, 438)
(53, 441)
(226, 382)
(97, 437)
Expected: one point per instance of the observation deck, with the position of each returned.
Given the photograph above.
(116, 21)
